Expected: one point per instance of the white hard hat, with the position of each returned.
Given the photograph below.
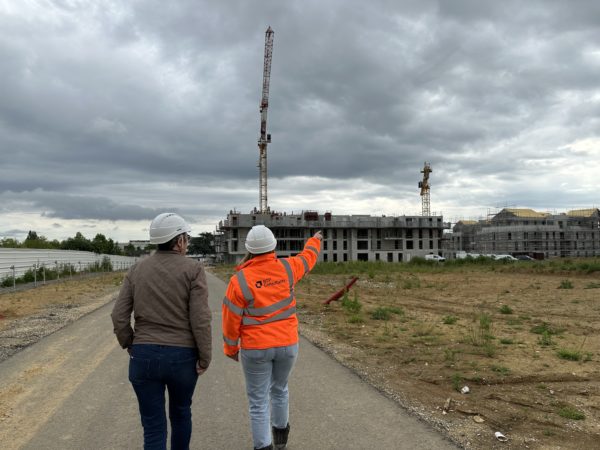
(166, 226)
(260, 240)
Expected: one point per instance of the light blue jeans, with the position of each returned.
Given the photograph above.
(266, 372)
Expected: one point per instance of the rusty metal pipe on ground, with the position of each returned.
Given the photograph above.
(341, 292)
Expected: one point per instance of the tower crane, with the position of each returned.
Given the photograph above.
(265, 138)
(424, 185)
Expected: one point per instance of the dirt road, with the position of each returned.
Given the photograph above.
(70, 391)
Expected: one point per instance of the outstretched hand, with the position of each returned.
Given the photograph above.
(318, 235)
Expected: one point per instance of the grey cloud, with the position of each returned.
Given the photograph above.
(169, 93)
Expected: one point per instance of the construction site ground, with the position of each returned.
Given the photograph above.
(524, 343)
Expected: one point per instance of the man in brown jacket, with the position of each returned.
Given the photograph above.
(170, 343)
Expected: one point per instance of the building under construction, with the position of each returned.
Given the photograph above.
(517, 231)
(345, 237)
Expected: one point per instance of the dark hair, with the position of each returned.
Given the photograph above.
(169, 245)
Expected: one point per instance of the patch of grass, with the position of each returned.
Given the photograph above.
(489, 349)
(566, 284)
(481, 332)
(450, 355)
(592, 285)
(569, 412)
(485, 322)
(545, 340)
(411, 283)
(381, 313)
(449, 320)
(396, 310)
(423, 329)
(569, 355)
(501, 370)
(385, 312)
(545, 327)
(507, 341)
(355, 319)
(351, 305)
(456, 380)
(505, 309)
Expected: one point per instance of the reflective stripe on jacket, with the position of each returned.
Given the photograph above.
(259, 308)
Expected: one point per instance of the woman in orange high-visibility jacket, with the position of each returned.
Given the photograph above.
(259, 316)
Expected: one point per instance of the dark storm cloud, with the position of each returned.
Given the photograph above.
(78, 207)
(98, 94)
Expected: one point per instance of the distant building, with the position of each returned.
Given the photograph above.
(520, 231)
(345, 237)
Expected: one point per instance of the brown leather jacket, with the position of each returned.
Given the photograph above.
(168, 295)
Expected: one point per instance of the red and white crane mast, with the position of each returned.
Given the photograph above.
(265, 138)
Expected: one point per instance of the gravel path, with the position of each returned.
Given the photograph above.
(22, 332)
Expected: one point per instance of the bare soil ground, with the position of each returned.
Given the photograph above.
(28, 315)
(526, 345)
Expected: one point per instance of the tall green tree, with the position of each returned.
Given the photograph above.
(9, 243)
(204, 244)
(79, 242)
(33, 240)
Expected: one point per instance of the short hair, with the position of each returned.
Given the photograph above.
(169, 245)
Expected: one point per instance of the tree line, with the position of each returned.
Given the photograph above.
(203, 244)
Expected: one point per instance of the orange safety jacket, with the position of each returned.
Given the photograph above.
(259, 307)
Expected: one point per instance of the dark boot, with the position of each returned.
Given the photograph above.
(280, 436)
(268, 447)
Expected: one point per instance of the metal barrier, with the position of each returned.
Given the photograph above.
(15, 263)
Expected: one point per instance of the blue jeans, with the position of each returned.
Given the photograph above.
(266, 372)
(151, 369)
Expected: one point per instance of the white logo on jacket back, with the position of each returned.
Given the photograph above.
(268, 282)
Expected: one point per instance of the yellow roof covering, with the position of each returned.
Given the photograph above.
(467, 222)
(582, 212)
(525, 212)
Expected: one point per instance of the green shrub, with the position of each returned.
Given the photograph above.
(449, 320)
(505, 309)
(352, 306)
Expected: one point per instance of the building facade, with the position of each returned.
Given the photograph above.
(345, 237)
(541, 235)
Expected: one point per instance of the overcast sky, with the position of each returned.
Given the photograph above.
(114, 111)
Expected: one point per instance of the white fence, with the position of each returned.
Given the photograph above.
(17, 261)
